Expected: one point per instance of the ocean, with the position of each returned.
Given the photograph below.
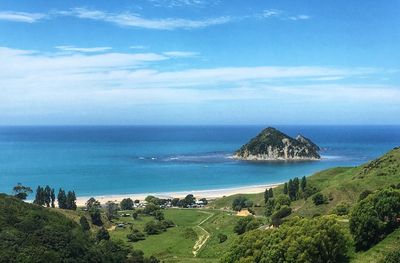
(103, 160)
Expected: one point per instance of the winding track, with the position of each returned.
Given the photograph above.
(203, 238)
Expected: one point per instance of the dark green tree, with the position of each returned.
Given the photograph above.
(95, 215)
(71, 201)
(84, 223)
(159, 215)
(52, 197)
(303, 183)
(270, 207)
(111, 210)
(296, 186)
(241, 202)
(245, 224)
(319, 199)
(126, 204)
(135, 235)
(40, 196)
(266, 195)
(222, 237)
(102, 234)
(47, 195)
(62, 199)
(285, 188)
(189, 200)
(92, 203)
(135, 214)
(21, 191)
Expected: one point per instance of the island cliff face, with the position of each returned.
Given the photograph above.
(272, 144)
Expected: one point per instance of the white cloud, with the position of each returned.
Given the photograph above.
(83, 49)
(180, 54)
(271, 13)
(21, 16)
(180, 3)
(299, 17)
(138, 47)
(135, 20)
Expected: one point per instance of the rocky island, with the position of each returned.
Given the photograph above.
(272, 144)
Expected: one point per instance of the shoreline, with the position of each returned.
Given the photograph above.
(209, 194)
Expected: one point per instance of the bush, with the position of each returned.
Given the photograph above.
(222, 237)
(154, 227)
(84, 223)
(126, 204)
(299, 240)
(375, 217)
(102, 234)
(319, 199)
(150, 209)
(342, 209)
(95, 215)
(245, 224)
(276, 218)
(135, 235)
(159, 215)
(241, 202)
(282, 200)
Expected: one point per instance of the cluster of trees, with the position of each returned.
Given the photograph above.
(278, 208)
(299, 240)
(30, 233)
(45, 196)
(66, 201)
(295, 188)
(135, 235)
(374, 217)
(93, 207)
(241, 202)
(247, 223)
(156, 227)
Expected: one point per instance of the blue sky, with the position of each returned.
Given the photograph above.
(199, 62)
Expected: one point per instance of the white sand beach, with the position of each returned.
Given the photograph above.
(209, 194)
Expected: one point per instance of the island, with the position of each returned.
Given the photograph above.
(272, 144)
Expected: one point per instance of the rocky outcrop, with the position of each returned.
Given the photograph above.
(272, 144)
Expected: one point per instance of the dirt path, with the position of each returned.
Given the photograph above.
(203, 238)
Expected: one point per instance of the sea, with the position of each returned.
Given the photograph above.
(107, 160)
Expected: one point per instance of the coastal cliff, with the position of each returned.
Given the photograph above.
(272, 144)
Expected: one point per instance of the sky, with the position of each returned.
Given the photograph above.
(198, 62)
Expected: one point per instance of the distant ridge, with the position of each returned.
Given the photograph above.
(272, 144)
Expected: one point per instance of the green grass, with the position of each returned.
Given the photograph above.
(176, 244)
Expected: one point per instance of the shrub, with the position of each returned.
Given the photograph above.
(342, 209)
(126, 204)
(319, 199)
(245, 224)
(392, 257)
(241, 202)
(84, 223)
(276, 218)
(102, 234)
(135, 235)
(222, 237)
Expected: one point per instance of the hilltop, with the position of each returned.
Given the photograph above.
(272, 144)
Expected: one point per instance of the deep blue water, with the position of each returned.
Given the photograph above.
(138, 159)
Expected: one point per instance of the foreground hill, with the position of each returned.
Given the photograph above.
(31, 233)
(272, 144)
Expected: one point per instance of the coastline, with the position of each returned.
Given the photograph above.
(209, 194)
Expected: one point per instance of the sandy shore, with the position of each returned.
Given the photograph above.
(209, 194)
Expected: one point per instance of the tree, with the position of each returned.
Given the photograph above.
(271, 193)
(126, 204)
(102, 234)
(375, 217)
(281, 200)
(270, 207)
(153, 200)
(276, 218)
(291, 190)
(135, 235)
(91, 202)
(266, 195)
(62, 199)
(71, 201)
(319, 199)
(84, 223)
(153, 228)
(21, 192)
(135, 214)
(299, 240)
(303, 183)
(204, 200)
(150, 208)
(52, 197)
(245, 224)
(40, 196)
(285, 188)
(175, 201)
(95, 215)
(222, 237)
(47, 195)
(364, 194)
(296, 186)
(159, 215)
(189, 200)
(111, 210)
(241, 202)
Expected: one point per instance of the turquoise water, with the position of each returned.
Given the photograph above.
(138, 159)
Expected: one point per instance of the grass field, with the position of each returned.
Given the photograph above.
(177, 243)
